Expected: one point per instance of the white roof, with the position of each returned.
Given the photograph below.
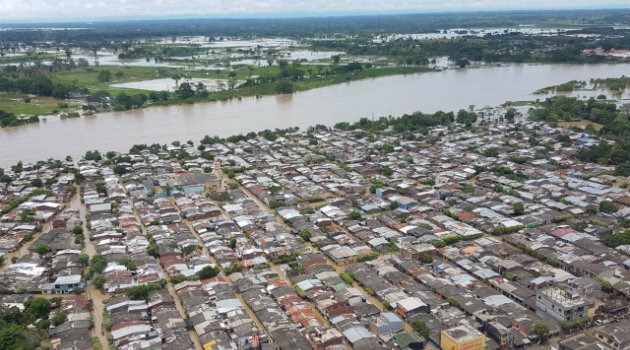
(71, 279)
(411, 303)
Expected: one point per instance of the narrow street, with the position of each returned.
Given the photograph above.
(171, 290)
(93, 293)
(178, 304)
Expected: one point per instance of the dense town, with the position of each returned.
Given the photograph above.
(325, 238)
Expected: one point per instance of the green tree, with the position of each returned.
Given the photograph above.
(510, 114)
(153, 249)
(120, 169)
(77, 230)
(491, 152)
(178, 279)
(201, 91)
(42, 249)
(39, 307)
(354, 215)
(58, 318)
(84, 259)
(99, 281)
(421, 328)
(98, 264)
(233, 242)
(453, 301)
(12, 337)
(542, 329)
(284, 87)
(305, 235)
(519, 208)
(104, 76)
(439, 244)
(208, 272)
(185, 91)
(607, 207)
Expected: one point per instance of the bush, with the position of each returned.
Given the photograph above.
(453, 301)
(354, 215)
(305, 235)
(178, 279)
(421, 328)
(346, 278)
(234, 267)
(577, 323)
(58, 318)
(439, 244)
(284, 87)
(426, 259)
(607, 207)
(500, 230)
(562, 218)
(84, 259)
(142, 292)
(368, 256)
(452, 239)
(42, 249)
(618, 239)
(98, 264)
(519, 208)
(273, 204)
(99, 281)
(208, 272)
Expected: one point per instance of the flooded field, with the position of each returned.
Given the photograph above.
(169, 84)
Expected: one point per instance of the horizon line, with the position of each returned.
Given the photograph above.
(291, 15)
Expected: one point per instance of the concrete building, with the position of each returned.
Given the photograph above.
(560, 304)
(67, 284)
(385, 323)
(462, 337)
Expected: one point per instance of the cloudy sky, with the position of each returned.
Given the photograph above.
(60, 10)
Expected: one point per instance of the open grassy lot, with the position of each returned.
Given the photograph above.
(581, 124)
(14, 103)
(88, 78)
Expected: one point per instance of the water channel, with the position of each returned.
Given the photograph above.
(393, 95)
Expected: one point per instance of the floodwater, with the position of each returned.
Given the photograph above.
(168, 84)
(393, 95)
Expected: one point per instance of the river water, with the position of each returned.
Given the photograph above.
(393, 95)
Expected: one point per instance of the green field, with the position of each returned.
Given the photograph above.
(314, 77)
(89, 78)
(14, 103)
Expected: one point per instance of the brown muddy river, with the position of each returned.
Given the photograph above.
(394, 95)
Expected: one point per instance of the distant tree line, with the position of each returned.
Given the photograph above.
(105, 34)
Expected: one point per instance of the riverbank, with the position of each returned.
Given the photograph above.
(315, 76)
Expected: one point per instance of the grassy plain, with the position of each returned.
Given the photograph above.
(38, 105)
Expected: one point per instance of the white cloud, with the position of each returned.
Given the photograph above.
(77, 9)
